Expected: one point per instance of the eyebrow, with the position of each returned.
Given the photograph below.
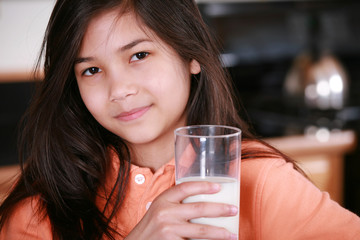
(124, 48)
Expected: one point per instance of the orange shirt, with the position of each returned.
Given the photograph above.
(276, 203)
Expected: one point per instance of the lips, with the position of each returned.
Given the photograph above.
(133, 114)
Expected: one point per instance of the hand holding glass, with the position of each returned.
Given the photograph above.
(211, 153)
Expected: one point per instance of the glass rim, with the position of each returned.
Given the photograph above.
(178, 131)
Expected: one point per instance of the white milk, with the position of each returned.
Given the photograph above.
(229, 194)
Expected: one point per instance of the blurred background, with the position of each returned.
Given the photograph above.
(295, 65)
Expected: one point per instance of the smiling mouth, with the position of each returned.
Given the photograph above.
(133, 114)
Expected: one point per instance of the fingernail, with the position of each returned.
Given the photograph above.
(216, 187)
(233, 210)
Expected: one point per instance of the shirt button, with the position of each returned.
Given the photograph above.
(139, 179)
(148, 205)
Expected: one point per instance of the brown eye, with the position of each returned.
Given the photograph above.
(91, 71)
(138, 56)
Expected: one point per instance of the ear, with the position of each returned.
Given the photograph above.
(194, 67)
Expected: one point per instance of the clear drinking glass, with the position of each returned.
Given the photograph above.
(211, 153)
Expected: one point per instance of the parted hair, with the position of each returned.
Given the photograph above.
(64, 151)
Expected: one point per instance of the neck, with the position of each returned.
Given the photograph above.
(153, 155)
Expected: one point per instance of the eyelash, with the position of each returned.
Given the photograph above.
(94, 70)
(139, 56)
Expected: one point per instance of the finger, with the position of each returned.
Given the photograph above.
(188, 211)
(201, 231)
(181, 191)
(206, 209)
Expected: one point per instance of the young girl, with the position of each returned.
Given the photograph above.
(98, 143)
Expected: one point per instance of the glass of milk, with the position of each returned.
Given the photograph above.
(211, 153)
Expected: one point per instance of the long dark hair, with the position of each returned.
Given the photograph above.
(64, 151)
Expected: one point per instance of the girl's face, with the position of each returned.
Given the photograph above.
(134, 84)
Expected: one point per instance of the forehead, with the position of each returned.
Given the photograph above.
(112, 29)
(108, 22)
(115, 27)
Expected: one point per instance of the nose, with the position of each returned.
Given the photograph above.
(121, 86)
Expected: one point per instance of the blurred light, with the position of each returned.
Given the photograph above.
(310, 91)
(229, 59)
(323, 88)
(310, 130)
(322, 135)
(336, 83)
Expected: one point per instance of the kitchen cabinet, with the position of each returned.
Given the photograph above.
(322, 160)
(8, 176)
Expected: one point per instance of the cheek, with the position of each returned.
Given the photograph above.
(172, 79)
(92, 99)
(175, 93)
(170, 87)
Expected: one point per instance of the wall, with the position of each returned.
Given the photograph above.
(22, 27)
